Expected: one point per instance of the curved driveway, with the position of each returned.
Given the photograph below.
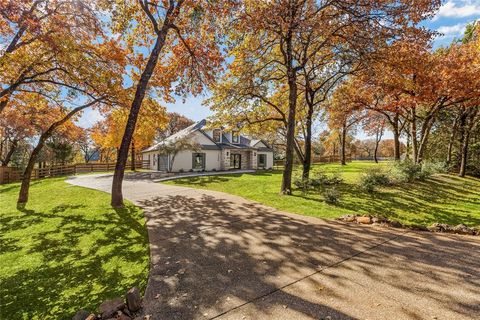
(218, 256)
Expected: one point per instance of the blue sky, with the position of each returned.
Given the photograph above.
(450, 20)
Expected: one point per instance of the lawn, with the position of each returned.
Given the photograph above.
(67, 250)
(442, 198)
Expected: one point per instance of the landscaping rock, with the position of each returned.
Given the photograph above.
(364, 220)
(348, 218)
(463, 229)
(92, 317)
(379, 220)
(395, 224)
(439, 227)
(134, 300)
(110, 307)
(122, 316)
(81, 315)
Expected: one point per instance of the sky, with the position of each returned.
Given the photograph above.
(450, 21)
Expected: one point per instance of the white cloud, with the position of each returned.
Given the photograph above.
(452, 31)
(459, 9)
(89, 118)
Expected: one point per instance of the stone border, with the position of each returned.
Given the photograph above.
(384, 222)
(120, 309)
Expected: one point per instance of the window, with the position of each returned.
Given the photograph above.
(217, 135)
(262, 160)
(235, 136)
(198, 162)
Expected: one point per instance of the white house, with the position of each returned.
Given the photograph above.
(219, 149)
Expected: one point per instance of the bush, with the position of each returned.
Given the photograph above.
(407, 171)
(434, 167)
(373, 178)
(321, 179)
(302, 184)
(331, 195)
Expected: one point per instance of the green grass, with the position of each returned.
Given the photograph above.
(442, 198)
(67, 250)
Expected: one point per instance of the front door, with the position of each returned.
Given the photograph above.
(162, 163)
(235, 161)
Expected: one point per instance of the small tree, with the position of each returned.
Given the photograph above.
(174, 147)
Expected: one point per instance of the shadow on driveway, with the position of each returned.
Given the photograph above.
(220, 257)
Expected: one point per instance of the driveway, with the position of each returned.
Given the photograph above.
(218, 256)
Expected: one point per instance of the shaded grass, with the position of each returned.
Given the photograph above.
(67, 250)
(442, 198)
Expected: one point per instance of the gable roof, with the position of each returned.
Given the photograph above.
(244, 142)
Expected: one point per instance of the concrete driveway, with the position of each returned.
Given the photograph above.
(218, 256)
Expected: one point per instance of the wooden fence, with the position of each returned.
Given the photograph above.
(9, 174)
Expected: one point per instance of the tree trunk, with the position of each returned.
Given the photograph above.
(378, 138)
(23, 195)
(286, 187)
(413, 135)
(343, 145)
(467, 122)
(10, 152)
(27, 174)
(117, 196)
(307, 161)
(465, 135)
(451, 140)
(287, 172)
(396, 138)
(132, 165)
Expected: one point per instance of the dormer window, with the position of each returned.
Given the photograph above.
(235, 137)
(217, 133)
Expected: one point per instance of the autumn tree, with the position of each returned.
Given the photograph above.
(42, 40)
(274, 42)
(343, 116)
(374, 125)
(182, 41)
(108, 133)
(175, 123)
(84, 70)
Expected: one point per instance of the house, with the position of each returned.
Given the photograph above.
(216, 149)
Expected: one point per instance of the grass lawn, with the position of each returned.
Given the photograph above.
(442, 198)
(67, 250)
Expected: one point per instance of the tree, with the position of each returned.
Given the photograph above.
(44, 39)
(87, 72)
(44, 136)
(17, 124)
(343, 116)
(108, 133)
(172, 148)
(86, 146)
(176, 122)
(278, 39)
(183, 36)
(374, 124)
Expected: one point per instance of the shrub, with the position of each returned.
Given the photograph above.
(302, 184)
(373, 178)
(321, 179)
(181, 171)
(331, 195)
(405, 171)
(434, 167)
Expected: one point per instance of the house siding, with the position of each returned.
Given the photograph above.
(183, 160)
